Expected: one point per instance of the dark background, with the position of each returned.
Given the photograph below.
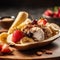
(34, 7)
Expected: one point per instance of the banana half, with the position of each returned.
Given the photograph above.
(21, 17)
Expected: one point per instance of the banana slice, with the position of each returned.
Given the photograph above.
(48, 32)
(27, 21)
(26, 40)
(9, 39)
(22, 16)
(54, 27)
(3, 37)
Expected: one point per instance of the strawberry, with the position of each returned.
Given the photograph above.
(42, 22)
(59, 10)
(1, 46)
(6, 49)
(55, 15)
(17, 35)
(34, 22)
(48, 12)
(59, 15)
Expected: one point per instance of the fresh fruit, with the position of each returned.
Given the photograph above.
(3, 37)
(22, 25)
(1, 44)
(42, 22)
(55, 14)
(6, 49)
(48, 12)
(59, 10)
(26, 40)
(48, 32)
(54, 27)
(59, 15)
(9, 39)
(34, 22)
(17, 35)
(22, 16)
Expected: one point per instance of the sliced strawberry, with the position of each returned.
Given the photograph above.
(34, 22)
(59, 10)
(48, 12)
(5, 49)
(55, 14)
(59, 15)
(1, 45)
(42, 22)
(17, 35)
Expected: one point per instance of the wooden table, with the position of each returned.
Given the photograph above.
(31, 54)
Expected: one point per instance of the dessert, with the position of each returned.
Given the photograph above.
(25, 31)
(33, 31)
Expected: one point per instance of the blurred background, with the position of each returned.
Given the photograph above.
(34, 7)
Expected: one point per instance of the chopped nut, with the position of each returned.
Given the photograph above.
(48, 52)
(39, 53)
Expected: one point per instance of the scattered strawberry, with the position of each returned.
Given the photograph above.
(6, 49)
(17, 35)
(48, 12)
(42, 22)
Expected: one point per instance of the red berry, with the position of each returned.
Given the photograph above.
(59, 10)
(17, 35)
(34, 22)
(59, 15)
(5, 49)
(1, 46)
(48, 13)
(55, 14)
(42, 22)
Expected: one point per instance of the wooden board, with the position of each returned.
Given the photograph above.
(31, 54)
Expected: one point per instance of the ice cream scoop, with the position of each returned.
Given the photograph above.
(38, 33)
